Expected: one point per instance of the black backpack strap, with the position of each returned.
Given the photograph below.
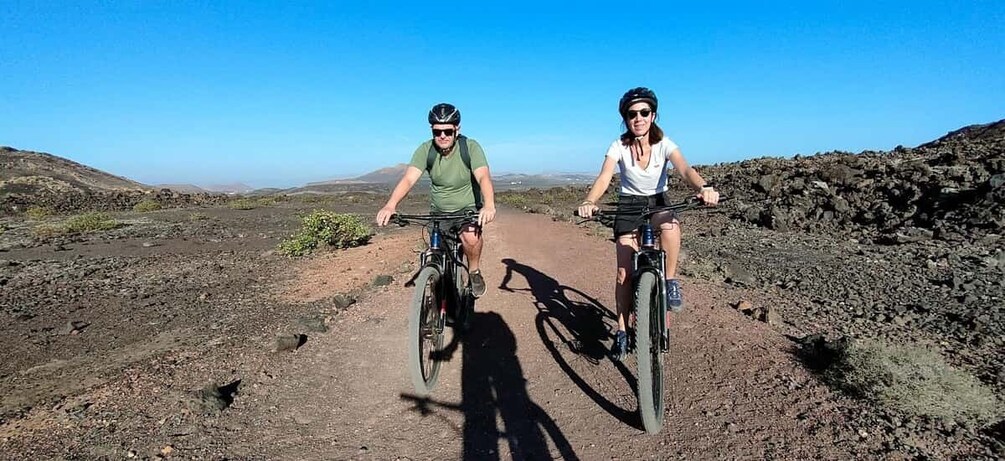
(466, 158)
(431, 157)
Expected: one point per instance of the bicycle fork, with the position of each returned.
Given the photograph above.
(655, 261)
(432, 257)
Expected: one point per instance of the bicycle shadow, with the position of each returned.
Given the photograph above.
(493, 387)
(580, 327)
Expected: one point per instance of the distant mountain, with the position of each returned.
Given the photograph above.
(32, 173)
(523, 181)
(185, 188)
(235, 188)
(389, 175)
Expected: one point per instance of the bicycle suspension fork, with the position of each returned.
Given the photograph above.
(654, 260)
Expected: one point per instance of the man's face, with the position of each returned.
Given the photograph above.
(444, 135)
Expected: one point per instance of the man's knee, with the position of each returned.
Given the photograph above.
(471, 234)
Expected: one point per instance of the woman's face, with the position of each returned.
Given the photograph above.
(639, 118)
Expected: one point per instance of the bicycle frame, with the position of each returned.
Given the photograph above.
(445, 253)
(649, 257)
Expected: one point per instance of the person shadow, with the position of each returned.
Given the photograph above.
(493, 387)
(578, 326)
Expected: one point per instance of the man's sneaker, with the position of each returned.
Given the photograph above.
(674, 299)
(619, 348)
(477, 284)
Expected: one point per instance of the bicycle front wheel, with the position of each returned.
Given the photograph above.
(425, 331)
(465, 303)
(648, 355)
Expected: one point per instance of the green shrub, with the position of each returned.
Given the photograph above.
(243, 204)
(912, 380)
(79, 224)
(38, 212)
(250, 203)
(515, 200)
(146, 205)
(89, 222)
(326, 228)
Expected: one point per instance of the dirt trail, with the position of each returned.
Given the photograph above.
(532, 380)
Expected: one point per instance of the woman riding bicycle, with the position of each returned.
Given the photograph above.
(642, 153)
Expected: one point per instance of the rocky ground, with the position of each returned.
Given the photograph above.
(173, 334)
(902, 246)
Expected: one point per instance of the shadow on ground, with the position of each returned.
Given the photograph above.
(577, 325)
(492, 388)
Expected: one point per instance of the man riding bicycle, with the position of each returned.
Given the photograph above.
(460, 180)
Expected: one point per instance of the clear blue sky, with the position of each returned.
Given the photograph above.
(281, 93)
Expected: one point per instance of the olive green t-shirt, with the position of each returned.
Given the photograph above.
(453, 187)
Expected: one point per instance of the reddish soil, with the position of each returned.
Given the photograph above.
(181, 303)
(532, 379)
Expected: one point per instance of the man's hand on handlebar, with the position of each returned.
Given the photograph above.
(384, 215)
(486, 215)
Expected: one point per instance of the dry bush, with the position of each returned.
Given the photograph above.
(911, 379)
(38, 213)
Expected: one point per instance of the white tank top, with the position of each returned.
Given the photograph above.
(651, 180)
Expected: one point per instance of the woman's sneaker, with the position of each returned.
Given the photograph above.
(619, 348)
(675, 300)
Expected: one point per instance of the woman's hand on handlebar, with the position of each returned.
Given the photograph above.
(708, 195)
(587, 209)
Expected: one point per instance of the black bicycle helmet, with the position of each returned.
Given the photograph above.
(635, 95)
(444, 113)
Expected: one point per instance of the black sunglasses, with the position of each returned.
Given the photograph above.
(632, 113)
(449, 132)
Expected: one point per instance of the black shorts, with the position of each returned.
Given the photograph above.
(628, 224)
(456, 225)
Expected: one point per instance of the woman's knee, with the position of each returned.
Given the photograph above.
(670, 226)
(624, 274)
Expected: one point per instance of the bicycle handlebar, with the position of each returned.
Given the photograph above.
(404, 219)
(645, 211)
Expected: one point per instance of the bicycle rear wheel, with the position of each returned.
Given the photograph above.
(425, 331)
(648, 355)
